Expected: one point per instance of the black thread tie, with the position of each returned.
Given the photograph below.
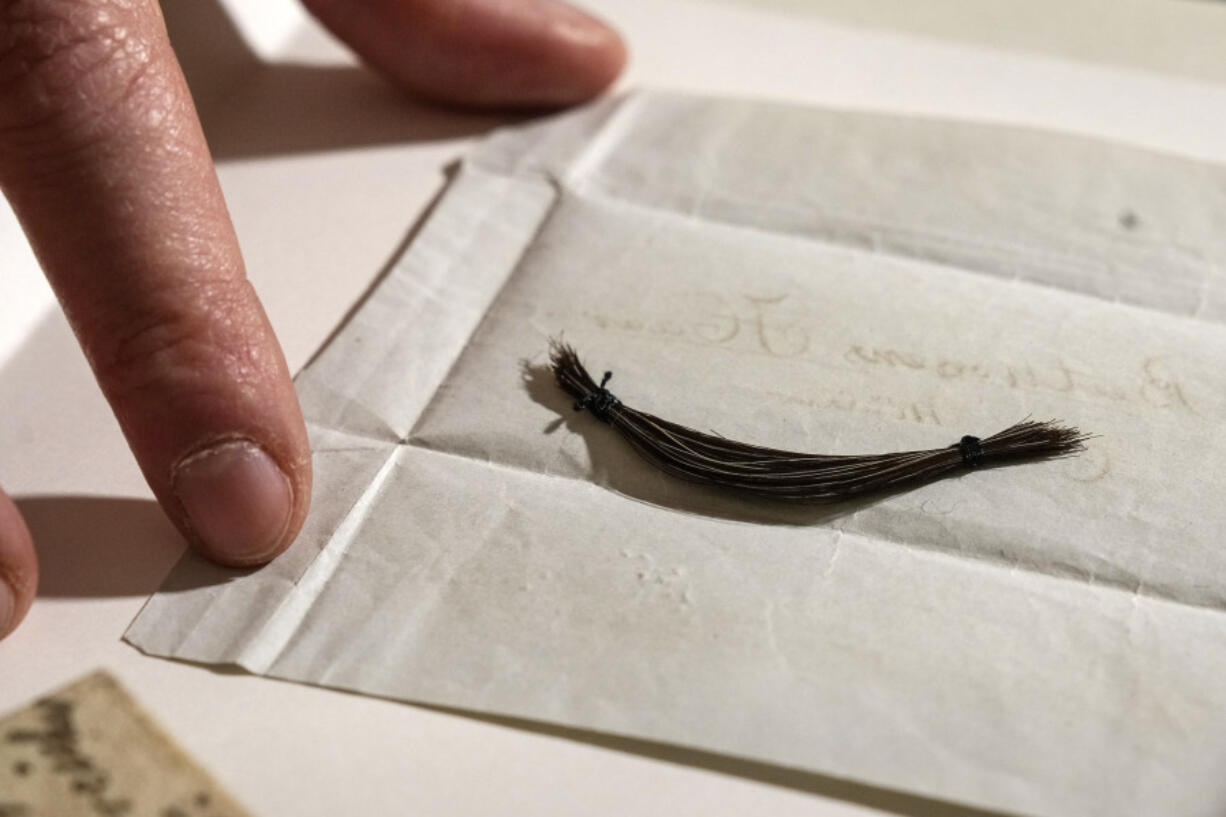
(971, 450)
(600, 402)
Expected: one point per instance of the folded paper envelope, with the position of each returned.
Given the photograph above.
(1048, 638)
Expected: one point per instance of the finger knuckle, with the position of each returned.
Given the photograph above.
(66, 66)
(180, 343)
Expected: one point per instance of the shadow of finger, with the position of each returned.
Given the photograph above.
(92, 547)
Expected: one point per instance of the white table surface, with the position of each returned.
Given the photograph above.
(326, 170)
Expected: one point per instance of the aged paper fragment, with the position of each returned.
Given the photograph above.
(88, 750)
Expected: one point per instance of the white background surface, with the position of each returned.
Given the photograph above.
(325, 170)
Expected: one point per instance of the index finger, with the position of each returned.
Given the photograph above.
(106, 166)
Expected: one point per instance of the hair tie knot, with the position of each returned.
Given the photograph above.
(600, 402)
(971, 451)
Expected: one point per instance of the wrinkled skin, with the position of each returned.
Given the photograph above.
(104, 162)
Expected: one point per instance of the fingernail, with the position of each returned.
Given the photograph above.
(237, 500)
(8, 606)
(575, 25)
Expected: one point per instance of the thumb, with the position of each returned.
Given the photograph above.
(106, 166)
(18, 567)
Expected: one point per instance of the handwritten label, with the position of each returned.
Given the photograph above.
(778, 325)
(89, 751)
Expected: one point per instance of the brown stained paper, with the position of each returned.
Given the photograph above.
(1040, 639)
(88, 750)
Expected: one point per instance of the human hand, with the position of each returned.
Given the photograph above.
(105, 164)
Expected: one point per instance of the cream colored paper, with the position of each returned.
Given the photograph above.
(1044, 638)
